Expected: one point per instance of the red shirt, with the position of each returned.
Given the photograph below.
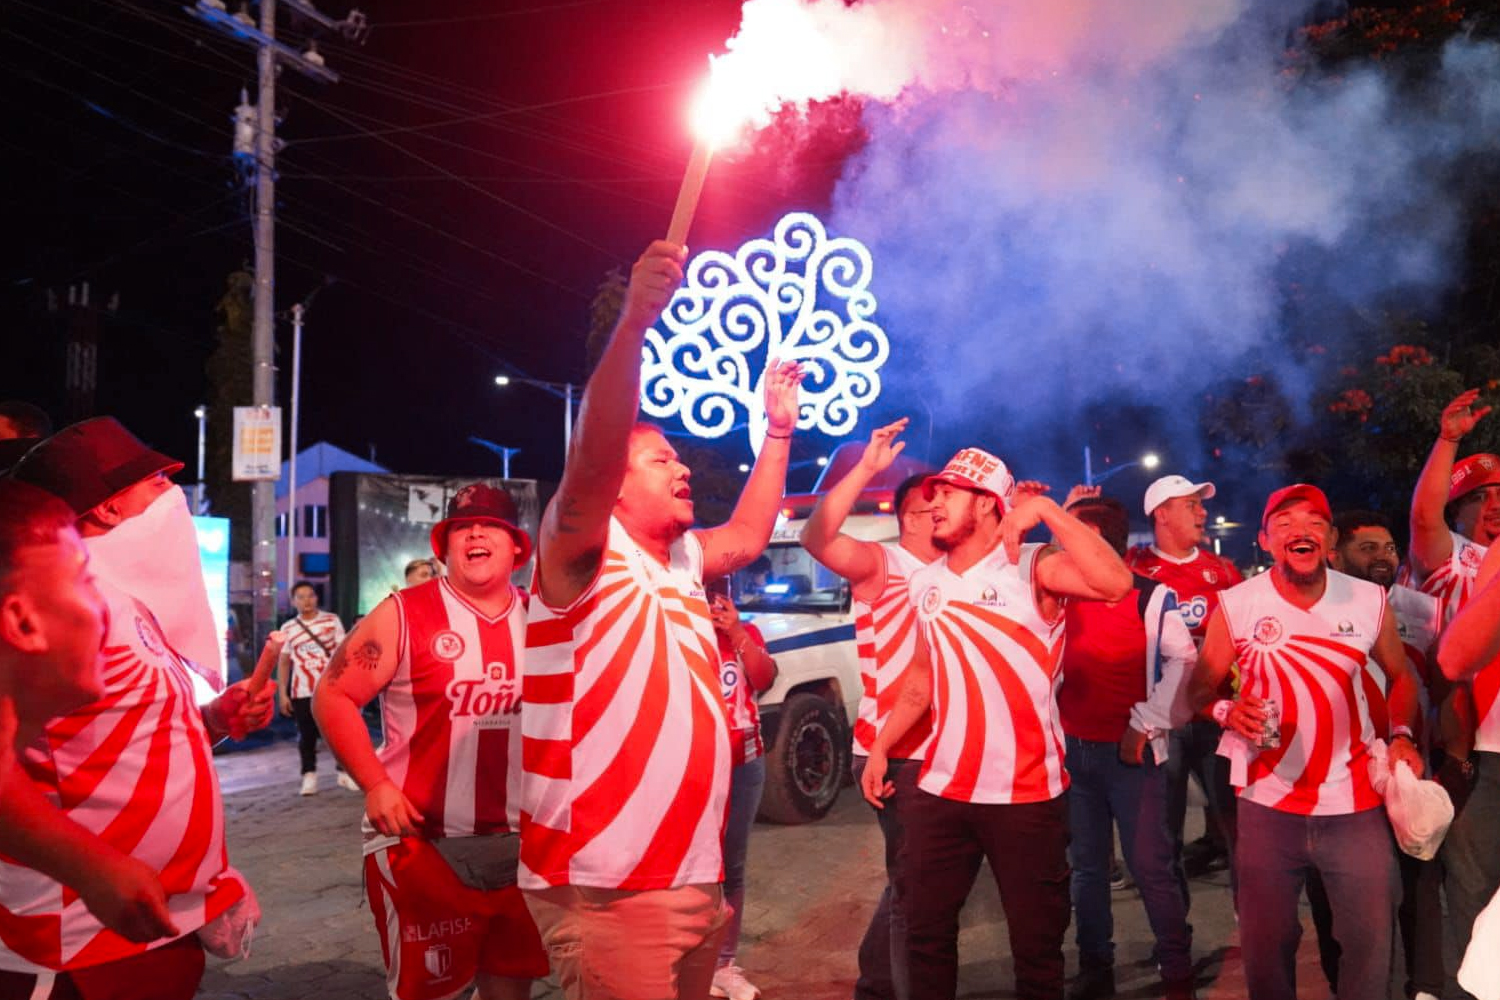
(739, 699)
(1104, 667)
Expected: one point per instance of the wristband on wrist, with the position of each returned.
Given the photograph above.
(1402, 732)
(1221, 711)
(779, 437)
(1453, 440)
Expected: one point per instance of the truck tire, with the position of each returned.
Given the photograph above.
(806, 764)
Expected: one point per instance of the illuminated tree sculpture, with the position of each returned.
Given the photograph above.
(800, 295)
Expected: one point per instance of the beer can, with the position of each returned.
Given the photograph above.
(1270, 732)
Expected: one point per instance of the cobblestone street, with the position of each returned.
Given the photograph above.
(812, 889)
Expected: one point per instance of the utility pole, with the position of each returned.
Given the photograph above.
(270, 54)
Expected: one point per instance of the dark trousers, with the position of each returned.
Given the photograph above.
(1105, 793)
(1355, 855)
(883, 971)
(1194, 752)
(307, 733)
(1027, 848)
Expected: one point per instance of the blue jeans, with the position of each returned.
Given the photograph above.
(1355, 856)
(1194, 751)
(1105, 793)
(882, 952)
(746, 782)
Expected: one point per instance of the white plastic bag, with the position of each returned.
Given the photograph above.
(1420, 811)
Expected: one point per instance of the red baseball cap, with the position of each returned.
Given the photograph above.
(1290, 494)
(1471, 473)
(485, 503)
(977, 470)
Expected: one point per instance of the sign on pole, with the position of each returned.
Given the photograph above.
(257, 443)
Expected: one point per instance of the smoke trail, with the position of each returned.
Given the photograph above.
(1074, 204)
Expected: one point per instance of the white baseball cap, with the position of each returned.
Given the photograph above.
(977, 470)
(1169, 487)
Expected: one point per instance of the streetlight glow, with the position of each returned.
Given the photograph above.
(1150, 460)
(502, 380)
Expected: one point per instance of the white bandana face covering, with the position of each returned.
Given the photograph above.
(154, 558)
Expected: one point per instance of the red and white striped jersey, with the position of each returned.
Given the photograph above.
(451, 713)
(310, 653)
(996, 667)
(1197, 580)
(135, 768)
(885, 637)
(1418, 622)
(1311, 663)
(626, 744)
(1452, 583)
(739, 700)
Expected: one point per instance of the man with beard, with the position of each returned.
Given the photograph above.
(886, 639)
(119, 799)
(440, 844)
(1298, 738)
(1365, 549)
(625, 739)
(52, 617)
(1176, 558)
(990, 614)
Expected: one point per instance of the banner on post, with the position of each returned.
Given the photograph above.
(257, 443)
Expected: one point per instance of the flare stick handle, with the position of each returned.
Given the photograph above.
(687, 196)
(264, 666)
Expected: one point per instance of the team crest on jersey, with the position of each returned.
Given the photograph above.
(447, 645)
(1267, 631)
(1469, 557)
(932, 599)
(150, 638)
(438, 961)
(1211, 576)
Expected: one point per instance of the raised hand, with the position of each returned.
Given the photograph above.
(1460, 416)
(653, 280)
(780, 391)
(1081, 492)
(883, 447)
(1025, 515)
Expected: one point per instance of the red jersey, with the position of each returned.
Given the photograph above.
(739, 700)
(451, 713)
(1104, 667)
(995, 668)
(885, 637)
(135, 768)
(1196, 579)
(626, 742)
(1311, 663)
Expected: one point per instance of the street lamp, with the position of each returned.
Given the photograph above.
(564, 389)
(1150, 460)
(202, 414)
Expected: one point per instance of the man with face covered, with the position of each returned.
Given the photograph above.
(119, 799)
(1297, 737)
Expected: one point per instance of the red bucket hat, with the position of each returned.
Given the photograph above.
(485, 503)
(1471, 473)
(90, 462)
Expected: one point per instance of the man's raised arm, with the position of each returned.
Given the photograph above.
(576, 525)
(855, 560)
(738, 541)
(1431, 542)
(1472, 640)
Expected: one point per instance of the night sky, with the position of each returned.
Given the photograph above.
(466, 187)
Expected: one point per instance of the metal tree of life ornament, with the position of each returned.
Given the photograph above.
(799, 296)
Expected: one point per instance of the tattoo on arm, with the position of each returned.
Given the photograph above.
(366, 655)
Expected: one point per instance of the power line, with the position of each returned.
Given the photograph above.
(494, 15)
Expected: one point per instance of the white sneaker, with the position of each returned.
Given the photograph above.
(347, 782)
(310, 783)
(730, 982)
